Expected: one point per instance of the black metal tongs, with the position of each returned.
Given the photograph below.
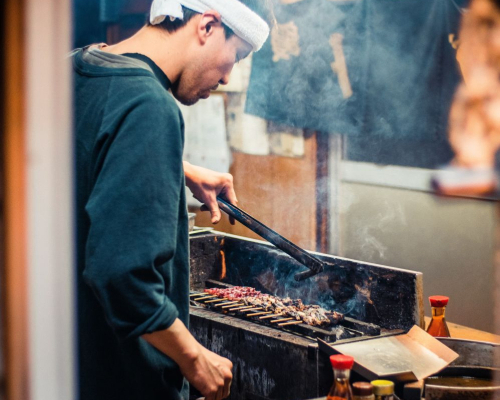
(314, 264)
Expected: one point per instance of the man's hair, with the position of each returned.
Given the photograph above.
(263, 8)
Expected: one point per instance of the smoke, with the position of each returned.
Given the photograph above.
(348, 198)
(335, 289)
(403, 73)
(382, 73)
(389, 214)
(372, 246)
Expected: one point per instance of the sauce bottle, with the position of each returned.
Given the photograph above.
(362, 391)
(438, 327)
(383, 390)
(342, 365)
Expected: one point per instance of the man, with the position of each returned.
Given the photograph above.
(133, 267)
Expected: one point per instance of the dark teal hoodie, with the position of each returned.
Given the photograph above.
(132, 231)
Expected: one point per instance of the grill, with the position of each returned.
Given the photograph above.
(273, 359)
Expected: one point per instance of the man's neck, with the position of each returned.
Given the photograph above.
(168, 51)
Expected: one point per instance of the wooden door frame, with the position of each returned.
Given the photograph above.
(14, 280)
(38, 270)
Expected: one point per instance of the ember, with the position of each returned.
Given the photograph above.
(313, 315)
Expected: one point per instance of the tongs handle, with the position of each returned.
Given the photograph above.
(315, 265)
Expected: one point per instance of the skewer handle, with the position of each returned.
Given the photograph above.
(281, 320)
(271, 316)
(245, 309)
(290, 323)
(204, 298)
(259, 313)
(237, 308)
(215, 301)
(227, 305)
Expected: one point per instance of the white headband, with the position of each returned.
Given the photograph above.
(244, 22)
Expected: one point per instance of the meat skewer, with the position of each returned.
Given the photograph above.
(313, 315)
(234, 293)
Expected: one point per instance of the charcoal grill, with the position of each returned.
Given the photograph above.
(273, 362)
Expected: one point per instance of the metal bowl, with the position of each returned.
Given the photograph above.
(477, 360)
(461, 389)
(474, 353)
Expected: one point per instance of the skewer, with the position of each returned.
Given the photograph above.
(204, 298)
(195, 294)
(259, 313)
(290, 323)
(247, 308)
(228, 305)
(215, 301)
(244, 308)
(281, 320)
(237, 308)
(225, 305)
(271, 316)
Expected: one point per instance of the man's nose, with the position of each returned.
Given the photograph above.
(225, 79)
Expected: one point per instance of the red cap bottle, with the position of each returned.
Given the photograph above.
(439, 301)
(438, 326)
(341, 390)
(340, 361)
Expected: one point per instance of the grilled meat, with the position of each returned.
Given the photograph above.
(310, 314)
(234, 293)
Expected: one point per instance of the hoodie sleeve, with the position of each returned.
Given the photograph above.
(133, 210)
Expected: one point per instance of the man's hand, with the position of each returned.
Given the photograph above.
(206, 185)
(206, 371)
(210, 374)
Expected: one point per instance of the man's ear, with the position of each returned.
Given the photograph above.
(209, 20)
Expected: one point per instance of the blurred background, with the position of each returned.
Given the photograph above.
(334, 133)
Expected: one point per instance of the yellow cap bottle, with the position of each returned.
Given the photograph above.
(383, 390)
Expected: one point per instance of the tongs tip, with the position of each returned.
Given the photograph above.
(307, 274)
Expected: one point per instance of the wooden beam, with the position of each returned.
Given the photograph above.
(322, 192)
(14, 280)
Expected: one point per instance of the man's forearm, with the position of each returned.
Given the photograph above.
(206, 371)
(176, 342)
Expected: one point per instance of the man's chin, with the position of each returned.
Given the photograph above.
(205, 95)
(189, 102)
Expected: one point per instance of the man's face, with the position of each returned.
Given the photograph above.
(210, 66)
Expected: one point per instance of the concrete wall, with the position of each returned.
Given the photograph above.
(450, 240)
